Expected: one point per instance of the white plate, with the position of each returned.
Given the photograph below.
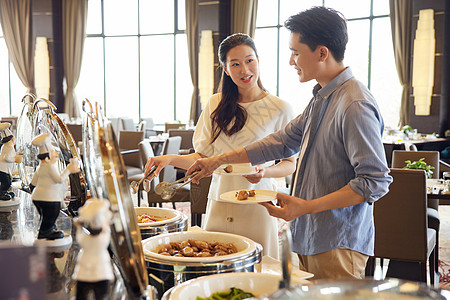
(255, 283)
(238, 169)
(166, 214)
(261, 196)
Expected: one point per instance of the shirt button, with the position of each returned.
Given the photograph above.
(229, 219)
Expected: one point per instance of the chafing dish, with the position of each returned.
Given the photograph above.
(174, 221)
(39, 116)
(168, 271)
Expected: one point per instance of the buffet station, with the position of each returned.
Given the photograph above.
(69, 218)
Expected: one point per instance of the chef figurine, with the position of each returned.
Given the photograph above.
(48, 186)
(8, 158)
(93, 270)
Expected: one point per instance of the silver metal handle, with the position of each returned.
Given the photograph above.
(286, 263)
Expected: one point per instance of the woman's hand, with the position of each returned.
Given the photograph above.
(255, 178)
(290, 207)
(159, 161)
(205, 167)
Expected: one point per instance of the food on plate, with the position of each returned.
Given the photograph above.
(144, 218)
(228, 169)
(244, 194)
(195, 248)
(234, 294)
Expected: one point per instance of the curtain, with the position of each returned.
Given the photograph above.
(193, 48)
(74, 15)
(401, 16)
(243, 16)
(15, 17)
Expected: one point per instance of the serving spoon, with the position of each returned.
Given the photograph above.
(135, 184)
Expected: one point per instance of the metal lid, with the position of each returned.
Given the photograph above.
(358, 289)
(103, 158)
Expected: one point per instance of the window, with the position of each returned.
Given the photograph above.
(369, 52)
(11, 88)
(135, 60)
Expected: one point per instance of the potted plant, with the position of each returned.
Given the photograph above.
(420, 165)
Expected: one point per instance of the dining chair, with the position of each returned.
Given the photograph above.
(128, 124)
(128, 144)
(149, 127)
(168, 126)
(199, 199)
(169, 174)
(186, 146)
(431, 158)
(402, 234)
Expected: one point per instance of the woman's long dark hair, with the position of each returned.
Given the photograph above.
(229, 109)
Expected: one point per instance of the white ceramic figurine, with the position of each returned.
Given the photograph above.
(8, 158)
(93, 271)
(49, 186)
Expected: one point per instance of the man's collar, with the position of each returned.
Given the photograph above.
(337, 81)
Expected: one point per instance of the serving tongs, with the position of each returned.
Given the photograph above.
(167, 190)
(145, 180)
(286, 260)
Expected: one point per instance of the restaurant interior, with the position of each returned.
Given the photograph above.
(79, 74)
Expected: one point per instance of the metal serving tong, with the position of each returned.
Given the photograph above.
(146, 180)
(167, 190)
(286, 263)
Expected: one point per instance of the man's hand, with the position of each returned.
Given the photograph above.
(290, 207)
(204, 166)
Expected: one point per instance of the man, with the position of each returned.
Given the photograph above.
(342, 167)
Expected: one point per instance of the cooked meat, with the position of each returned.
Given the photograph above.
(228, 169)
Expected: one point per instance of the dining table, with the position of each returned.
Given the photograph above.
(436, 189)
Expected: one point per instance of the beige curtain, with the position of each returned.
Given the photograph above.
(243, 16)
(15, 17)
(74, 14)
(193, 48)
(401, 18)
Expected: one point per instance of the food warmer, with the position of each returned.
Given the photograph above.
(171, 221)
(39, 116)
(171, 270)
(106, 176)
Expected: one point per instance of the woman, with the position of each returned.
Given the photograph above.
(242, 112)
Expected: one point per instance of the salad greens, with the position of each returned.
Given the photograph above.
(234, 294)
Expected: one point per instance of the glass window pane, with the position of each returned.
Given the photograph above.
(4, 79)
(156, 16)
(120, 19)
(350, 9)
(385, 84)
(121, 75)
(94, 18)
(18, 90)
(266, 44)
(181, 15)
(357, 51)
(157, 78)
(184, 86)
(91, 82)
(267, 13)
(380, 7)
(292, 7)
(291, 89)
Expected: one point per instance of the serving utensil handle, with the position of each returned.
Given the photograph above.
(286, 260)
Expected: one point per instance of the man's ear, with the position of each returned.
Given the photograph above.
(323, 52)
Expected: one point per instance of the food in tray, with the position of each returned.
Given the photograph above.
(235, 294)
(228, 169)
(195, 248)
(145, 218)
(245, 194)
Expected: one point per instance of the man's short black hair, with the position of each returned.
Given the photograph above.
(321, 26)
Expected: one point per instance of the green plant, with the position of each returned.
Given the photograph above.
(420, 165)
(407, 129)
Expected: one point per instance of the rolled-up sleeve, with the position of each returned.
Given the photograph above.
(362, 142)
